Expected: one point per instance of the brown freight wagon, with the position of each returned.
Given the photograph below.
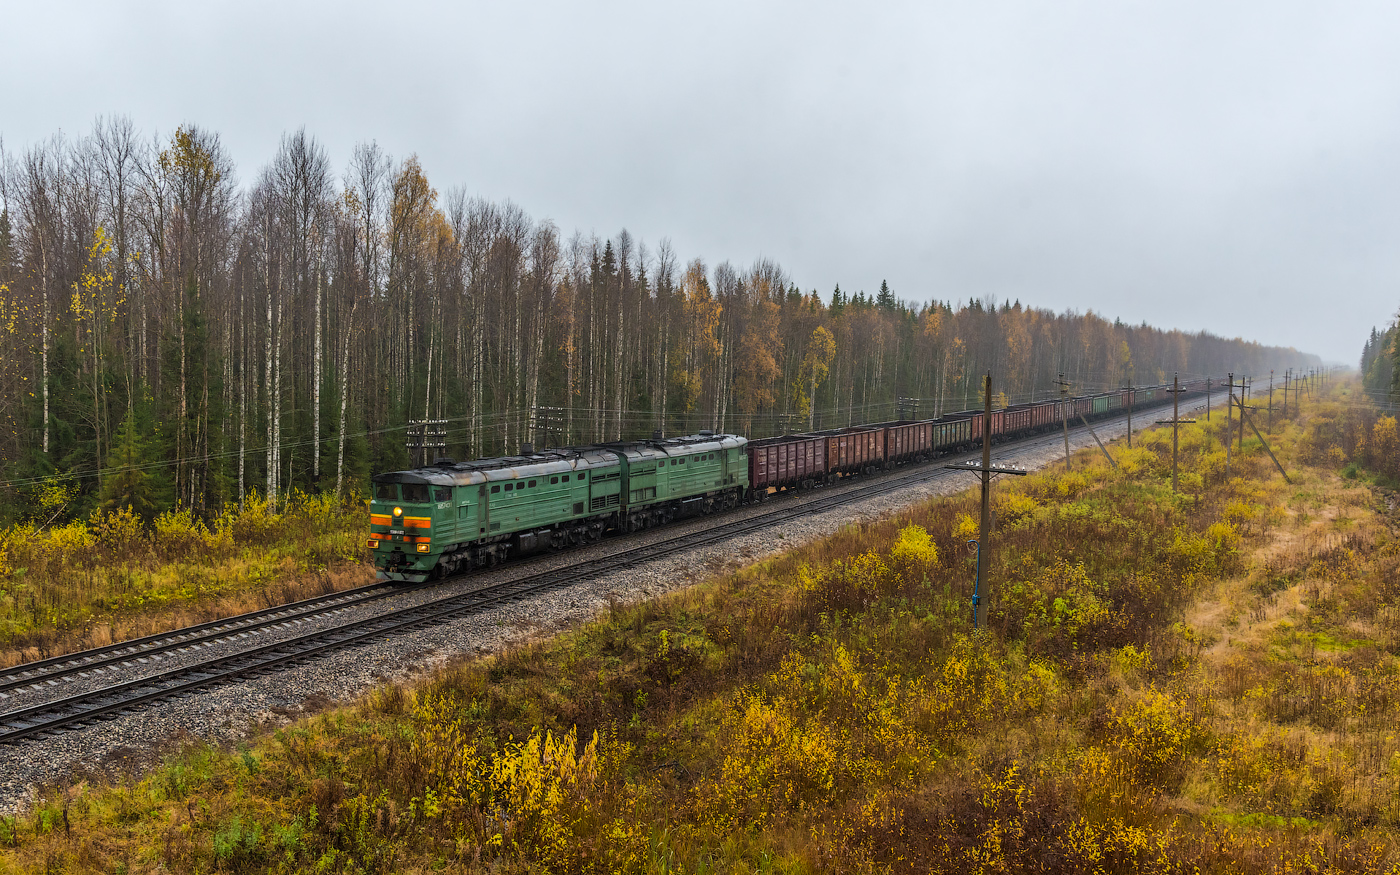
(787, 462)
(854, 450)
(975, 416)
(1044, 414)
(908, 441)
(1016, 420)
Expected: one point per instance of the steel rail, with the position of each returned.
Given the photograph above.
(41, 672)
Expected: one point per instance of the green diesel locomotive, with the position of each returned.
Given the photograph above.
(452, 516)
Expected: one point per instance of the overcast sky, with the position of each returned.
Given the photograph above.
(1232, 167)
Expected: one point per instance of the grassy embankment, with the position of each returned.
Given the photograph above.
(1170, 682)
(108, 577)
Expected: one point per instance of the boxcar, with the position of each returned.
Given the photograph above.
(786, 462)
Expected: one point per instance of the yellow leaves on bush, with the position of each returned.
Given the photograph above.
(1239, 513)
(1061, 607)
(1195, 556)
(807, 735)
(527, 799)
(868, 573)
(179, 534)
(70, 544)
(964, 528)
(118, 532)
(1383, 449)
(1149, 742)
(540, 790)
(914, 554)
(1015, 508)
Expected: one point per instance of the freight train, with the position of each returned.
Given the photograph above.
(453, 516)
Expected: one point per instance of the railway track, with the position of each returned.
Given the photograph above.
(83, 709)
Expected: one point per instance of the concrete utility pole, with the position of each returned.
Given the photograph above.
(1175, 422)
(1064, 414)
(1130, 414)
(984, 531)
(1207, 399)
(1244, 388)
(1229, 429)
(984, 534)
(1271, 402)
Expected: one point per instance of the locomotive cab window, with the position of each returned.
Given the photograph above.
(415, 492)
(442, 493)
(386, 491)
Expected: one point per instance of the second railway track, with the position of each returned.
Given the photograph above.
(82, 709)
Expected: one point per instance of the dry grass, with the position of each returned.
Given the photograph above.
(109, 577)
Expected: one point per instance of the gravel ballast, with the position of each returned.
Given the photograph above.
(229, 713)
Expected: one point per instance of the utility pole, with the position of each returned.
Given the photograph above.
(984, 531)
(1207, 399)
(1244, 387)
(1064, 414)
(1229, 430)
(1130, 414)
(1175, 422)
(984, 534)
(1271, 402)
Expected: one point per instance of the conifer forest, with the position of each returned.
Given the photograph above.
(177, 332)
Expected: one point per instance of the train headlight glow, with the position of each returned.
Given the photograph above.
(422, 548)
(373, 543)
(398, 511)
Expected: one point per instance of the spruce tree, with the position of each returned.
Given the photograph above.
(886, 297)
(126, 481)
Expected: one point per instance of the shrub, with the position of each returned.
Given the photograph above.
(179, 534)
(119, 533)
(914, 554)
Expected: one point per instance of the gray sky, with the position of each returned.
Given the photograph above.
(1191, 164)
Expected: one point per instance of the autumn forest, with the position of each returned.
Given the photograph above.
(171, 336)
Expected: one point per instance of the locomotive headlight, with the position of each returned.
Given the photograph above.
(398, 511)
(422, 548)
(373, 543)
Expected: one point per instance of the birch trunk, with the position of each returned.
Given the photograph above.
(316, 388)
(44, 332)
(344, 396)
(271, 447)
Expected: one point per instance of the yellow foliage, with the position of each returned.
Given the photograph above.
(1014, 508)
(118, 532)
(964, 527)
(914, 554)
(868, 573)
(179, 534)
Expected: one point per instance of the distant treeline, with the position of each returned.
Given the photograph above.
(1380, 364)
(171, 337)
